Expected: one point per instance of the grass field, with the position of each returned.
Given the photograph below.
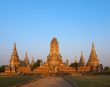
(9, 81)
(89, 81)
(78, 81)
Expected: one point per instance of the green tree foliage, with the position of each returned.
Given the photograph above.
(2, 68)
(107, 69)
(75, 65)
(100, 68)
(36, 64)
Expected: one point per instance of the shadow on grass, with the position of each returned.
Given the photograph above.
(88, 81)
(9, 81)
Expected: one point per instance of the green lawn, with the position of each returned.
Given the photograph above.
(89, 81)
(9, 81)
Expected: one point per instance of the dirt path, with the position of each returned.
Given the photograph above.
(49, 82)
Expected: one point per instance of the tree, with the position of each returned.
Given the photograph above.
(36, 64)
(75, 65)
(100, 68)
(2, 68)
(107, 69)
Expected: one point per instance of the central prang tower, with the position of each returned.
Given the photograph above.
(54, 47)
(54, 58)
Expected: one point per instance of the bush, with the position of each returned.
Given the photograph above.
(107, 69)
(36, 64)
(2, 68)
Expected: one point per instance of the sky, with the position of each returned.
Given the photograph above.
(75, 23)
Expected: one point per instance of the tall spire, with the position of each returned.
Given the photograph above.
(93, 59)
(93, 52)
(14, 53)
(75, 59)
(82, 54)
(82, 61)
(26, 60)
(93, 45)
(54, 58)
(32, 62)
(14, 61)
(67, 62)
(54, 47)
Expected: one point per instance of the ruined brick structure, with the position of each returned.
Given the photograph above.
(16, 65)
(54, 62)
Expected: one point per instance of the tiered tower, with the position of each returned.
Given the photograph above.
(75, 61)
(54, 63)
(54, 57)
(32, 62)
(82, 61)
(14, 61)
(93, 59)
(54, 47)
(26, 60)
(67, 62)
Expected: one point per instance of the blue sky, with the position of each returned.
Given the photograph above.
(75, 23)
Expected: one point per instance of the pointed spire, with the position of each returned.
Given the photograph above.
(14, 46)
(14, 53)
(93, 59)
(93, 52)
(32, 63)
(26, 54)
(75, 59)
(26, 60)
(82, 61)
(14, 61)
(93, 45)
(82, 56)
(67, 62)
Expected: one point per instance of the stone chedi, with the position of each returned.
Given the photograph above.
(54, 59)
(14, 61)
(32, 62)
(26, 60)
(67, 62)
(82, 61)
(93, 59)
(16, 65)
